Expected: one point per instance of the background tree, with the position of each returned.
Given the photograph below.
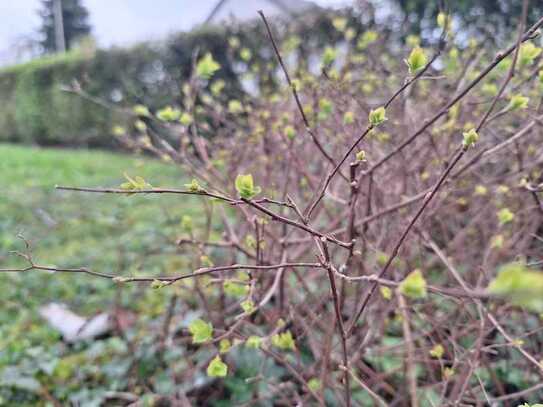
(495, 19)
(76, 25)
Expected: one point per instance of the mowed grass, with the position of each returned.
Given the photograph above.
(74, 228)
(124, 235)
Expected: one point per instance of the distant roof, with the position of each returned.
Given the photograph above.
(247, 9)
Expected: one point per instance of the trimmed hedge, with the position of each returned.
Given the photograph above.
(36, 109)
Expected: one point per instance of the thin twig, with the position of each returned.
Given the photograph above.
(410, 360)
(295, 93)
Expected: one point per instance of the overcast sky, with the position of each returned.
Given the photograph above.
(118, 22)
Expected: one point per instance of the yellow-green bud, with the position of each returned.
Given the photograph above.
(377, 116)
(417, 60)
(470, 138)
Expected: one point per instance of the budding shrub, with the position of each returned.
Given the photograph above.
(315, 198)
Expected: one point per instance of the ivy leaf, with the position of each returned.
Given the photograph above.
(217, 368)
(201, 331)
(414, 285)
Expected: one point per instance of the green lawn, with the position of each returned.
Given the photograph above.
(109, 233)
(73, 228)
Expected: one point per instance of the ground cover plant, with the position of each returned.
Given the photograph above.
(370, 234)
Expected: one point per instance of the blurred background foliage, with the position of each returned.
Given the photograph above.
(37, 110)
(493, 19)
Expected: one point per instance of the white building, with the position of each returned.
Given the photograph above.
(247, 9)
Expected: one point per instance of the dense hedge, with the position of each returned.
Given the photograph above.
(36, 110)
